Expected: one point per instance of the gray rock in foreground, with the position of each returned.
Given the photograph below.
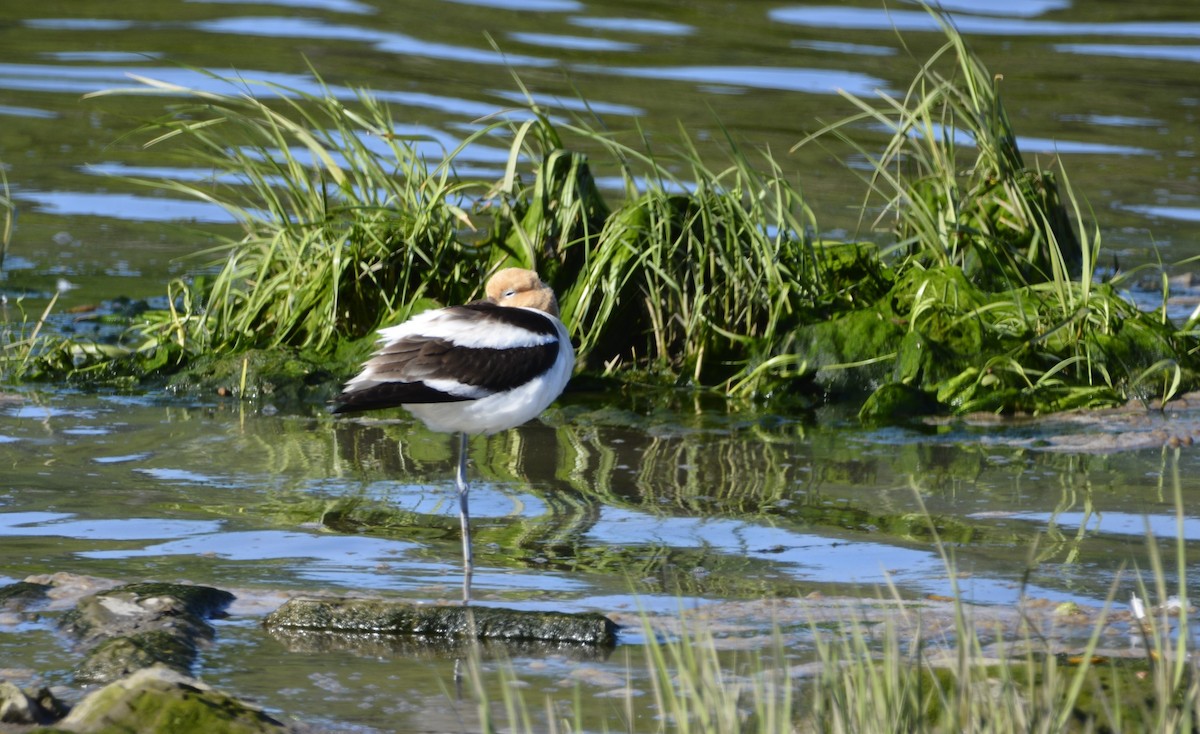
(138, 625)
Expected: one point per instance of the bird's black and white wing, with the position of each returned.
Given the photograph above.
(455, 354)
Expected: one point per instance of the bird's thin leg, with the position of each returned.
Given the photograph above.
(464, 514)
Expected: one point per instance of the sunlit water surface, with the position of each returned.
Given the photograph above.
(616, 501)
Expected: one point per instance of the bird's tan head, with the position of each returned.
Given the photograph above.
(520, 287)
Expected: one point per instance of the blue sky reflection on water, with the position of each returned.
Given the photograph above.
(975, 25)
(807, 557)
(66, 525)
(1161, 526)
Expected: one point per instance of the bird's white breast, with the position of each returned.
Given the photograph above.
(510, 408)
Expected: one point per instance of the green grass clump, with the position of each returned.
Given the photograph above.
(708, 273)
(999, 220)
(342, 221)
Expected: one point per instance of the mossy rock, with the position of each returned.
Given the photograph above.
(359, 616)
(22, 594)
(855, 338)
(120, 656)
(139, 625)
(853, 273)
(203, 601)
(158, 699)
(28, 706)
(280, 375)
(135, 608)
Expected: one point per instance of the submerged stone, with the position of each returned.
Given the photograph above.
(18, 596)
(18, 706)
(138, 625)
(435, 622)
(121, 656)
(158, 699)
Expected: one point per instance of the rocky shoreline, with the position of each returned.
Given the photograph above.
(138, 642)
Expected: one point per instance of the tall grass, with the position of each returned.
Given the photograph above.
(999, 220)
(708, 272)
(345, 223)
(348, 226)
(700, 270)
(994, 258)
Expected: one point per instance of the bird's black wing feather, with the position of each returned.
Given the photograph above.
(399, 372)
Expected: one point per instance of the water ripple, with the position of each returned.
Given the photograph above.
(533, 6)
(811, 81)
(635, 25)
(57, 524)
(333, 6)
(1129, 51)
(572, 43)
(10, 111)
(868, 19)
(387, 42)
(126, 206)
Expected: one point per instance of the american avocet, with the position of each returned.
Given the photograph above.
(484, 367)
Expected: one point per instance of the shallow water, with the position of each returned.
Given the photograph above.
(620, 499)
(616, 502)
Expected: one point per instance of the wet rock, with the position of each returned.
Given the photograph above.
(19, 706)
(22, 595)
(66, 589)
(366, 616)
(160, 699)
(120, 656)
(134, 626)
(408, 647)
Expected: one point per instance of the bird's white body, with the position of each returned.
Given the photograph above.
(487, 413)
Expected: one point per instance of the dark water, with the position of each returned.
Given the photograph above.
(619, 499)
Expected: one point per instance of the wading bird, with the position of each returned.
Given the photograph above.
(484, 367)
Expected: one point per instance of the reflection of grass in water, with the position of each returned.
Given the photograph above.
(9, 212)
(652, 456)
(675, 468)
(870, 673)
